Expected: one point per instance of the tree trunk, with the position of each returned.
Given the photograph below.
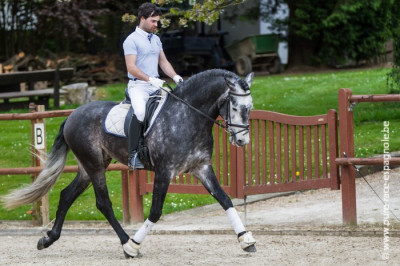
(301, 50)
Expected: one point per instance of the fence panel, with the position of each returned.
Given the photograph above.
(298, 153)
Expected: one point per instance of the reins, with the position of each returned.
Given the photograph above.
(224, 126)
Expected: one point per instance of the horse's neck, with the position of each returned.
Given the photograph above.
(204, 96)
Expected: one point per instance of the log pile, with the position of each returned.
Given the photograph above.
(93, 69)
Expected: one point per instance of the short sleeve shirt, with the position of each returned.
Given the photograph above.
(147, 51)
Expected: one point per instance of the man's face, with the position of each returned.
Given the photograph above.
(150, 24)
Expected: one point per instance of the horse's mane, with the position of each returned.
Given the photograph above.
(196, 82)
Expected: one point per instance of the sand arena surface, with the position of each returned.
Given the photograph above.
(203, 236)
(200, 250)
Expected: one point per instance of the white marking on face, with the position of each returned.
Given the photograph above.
(240, 109)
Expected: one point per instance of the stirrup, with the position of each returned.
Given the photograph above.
(134, 162)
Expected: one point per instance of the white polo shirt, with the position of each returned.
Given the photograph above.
(147, 51)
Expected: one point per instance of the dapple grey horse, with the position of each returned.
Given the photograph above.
(180, 141)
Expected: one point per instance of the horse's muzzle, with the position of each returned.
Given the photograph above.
(239, 141)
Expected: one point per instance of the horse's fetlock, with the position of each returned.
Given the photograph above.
(131, 249)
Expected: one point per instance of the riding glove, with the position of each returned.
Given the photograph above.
(156, 82)
(178, 79)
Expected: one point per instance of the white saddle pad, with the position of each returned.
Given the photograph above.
(115, 120)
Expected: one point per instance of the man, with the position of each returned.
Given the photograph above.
(143, 54)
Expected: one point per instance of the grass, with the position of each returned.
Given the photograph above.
(308, 94)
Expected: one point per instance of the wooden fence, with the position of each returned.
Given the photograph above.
(285, 153)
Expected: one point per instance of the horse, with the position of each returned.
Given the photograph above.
(180, 141)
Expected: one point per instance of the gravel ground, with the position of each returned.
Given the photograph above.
(302, 229)
(200, 250)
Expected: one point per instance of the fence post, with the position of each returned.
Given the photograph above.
(333, 149)
(40, 151)
(125, 197)
(349, 206)
(241, 172)
(32, 109)
(233, 170)
(136, 206)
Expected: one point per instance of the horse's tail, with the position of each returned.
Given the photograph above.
(54, 166)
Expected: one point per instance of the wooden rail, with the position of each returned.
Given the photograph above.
(346, 100)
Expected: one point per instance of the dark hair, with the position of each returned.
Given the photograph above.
(148, 10)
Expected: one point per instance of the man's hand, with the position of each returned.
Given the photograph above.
(178, 79)
(156, 82)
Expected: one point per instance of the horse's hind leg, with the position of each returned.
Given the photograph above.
(208, 179)
(103, 203)
(67, 197)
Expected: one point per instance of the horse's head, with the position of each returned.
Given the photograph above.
(235, 109)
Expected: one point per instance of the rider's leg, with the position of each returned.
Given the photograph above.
(139, 96)
(135, 133)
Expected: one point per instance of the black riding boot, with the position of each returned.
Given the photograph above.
(135, 133)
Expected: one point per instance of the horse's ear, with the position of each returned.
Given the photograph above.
(230, 82)
(249, 78)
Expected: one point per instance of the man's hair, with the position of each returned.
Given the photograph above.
(148, 10)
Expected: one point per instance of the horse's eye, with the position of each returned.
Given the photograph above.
(234, 109)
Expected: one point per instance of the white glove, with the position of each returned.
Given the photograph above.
(177, 79)
(156, 82)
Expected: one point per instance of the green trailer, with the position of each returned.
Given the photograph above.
(256, 51)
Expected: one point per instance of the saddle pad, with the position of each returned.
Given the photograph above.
(115, 120)
(114, 123)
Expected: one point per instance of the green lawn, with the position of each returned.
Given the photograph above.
(308, 94)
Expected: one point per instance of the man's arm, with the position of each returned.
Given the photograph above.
(130, 60)
(166, 66)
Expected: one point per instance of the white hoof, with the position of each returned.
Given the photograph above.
(247, 242)
(131, 249)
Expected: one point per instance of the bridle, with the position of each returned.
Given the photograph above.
(227, 124)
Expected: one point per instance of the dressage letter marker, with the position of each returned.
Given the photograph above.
(39, 136)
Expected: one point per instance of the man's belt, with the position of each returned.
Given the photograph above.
(134, 79)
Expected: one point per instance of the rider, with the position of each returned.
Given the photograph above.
(143, 53)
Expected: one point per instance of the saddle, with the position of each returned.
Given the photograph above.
(119, 117)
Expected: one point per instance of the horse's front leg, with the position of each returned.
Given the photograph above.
(161, 183)
(207, 176)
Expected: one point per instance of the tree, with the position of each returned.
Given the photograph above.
(393, 77)
(16, 24)
(207, 11)
(56, 25)
(61, 23)
(334, 31)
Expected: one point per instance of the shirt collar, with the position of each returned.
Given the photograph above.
(143, 33)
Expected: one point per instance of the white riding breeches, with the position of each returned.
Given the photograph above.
(139, 92)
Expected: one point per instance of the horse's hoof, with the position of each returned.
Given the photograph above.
(43, 243)
(131, 249)
(127, 256)
(247, 242)
(251, 248)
